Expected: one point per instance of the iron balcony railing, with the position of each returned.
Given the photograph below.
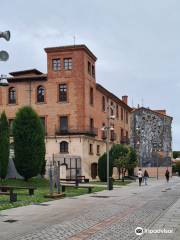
(84, 131)
(125, 140)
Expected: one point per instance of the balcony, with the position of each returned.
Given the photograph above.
(86, 131)
(125, 140)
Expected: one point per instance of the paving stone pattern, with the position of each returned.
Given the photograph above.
(116, 217)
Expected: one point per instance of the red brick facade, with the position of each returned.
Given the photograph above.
(78, 107)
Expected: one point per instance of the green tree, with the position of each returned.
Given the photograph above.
(4, 145)
(102, 167)
(132, 161)
(29, 145)
(176, 154)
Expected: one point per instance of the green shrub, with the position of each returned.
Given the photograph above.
(4, 145)
(29, 145)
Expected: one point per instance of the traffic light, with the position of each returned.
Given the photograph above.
(4, 56)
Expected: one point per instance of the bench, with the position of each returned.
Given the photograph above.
(6, 188)
(11, 194)
(64, 186)
(79, 179)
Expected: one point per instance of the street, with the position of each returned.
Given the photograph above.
(104, 215)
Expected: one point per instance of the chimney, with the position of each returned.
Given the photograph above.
(125, 99)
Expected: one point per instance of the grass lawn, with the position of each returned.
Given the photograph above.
(116, 182)
(42, 186)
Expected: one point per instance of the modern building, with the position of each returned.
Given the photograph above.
(72, 107)
(151, 137)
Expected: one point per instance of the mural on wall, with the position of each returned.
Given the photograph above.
(151, 137)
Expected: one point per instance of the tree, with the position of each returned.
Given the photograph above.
(29, 145)
(132, 160)
(4, 145)
(102, 167)
(119, 153)
(176, 154)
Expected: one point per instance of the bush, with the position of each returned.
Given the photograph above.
(29, 145)
(4, 146)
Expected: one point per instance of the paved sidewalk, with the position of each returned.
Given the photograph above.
(107, 215)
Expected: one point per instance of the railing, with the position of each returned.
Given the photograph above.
(125, 140)
(87, 131)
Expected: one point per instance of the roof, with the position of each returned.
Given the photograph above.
(71, 48)
(25, 78)
(153, 111)
(111, 95)
(26, 72)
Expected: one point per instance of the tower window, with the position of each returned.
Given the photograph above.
(67, 63)
(62, 92)
(56, 64)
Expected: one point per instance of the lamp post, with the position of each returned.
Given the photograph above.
(107, 129)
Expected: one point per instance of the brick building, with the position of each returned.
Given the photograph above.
(72, 106)
(152, 138)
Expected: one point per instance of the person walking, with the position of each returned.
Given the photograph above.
(146, 175)
(167, 175)
(140, 176)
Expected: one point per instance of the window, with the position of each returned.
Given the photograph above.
(117, 111)
(103, 131)
(12, 95)
(64, 147)
(89, 67)
(90, 148)
(56, 64)
(98, 149)
(127, 135)
(126, 117)
(63, 124)
(122, 113)
(40, 94)
(93, 71)
(122, 134)
(62, 93)
(103, 104)
(67, 63)
(112, 109)
(91, 99)
(91, 123)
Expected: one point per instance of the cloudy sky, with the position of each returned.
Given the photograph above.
(137, 43)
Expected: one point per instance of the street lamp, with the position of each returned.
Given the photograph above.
(3, 81)
(4, 56)
(108, 128)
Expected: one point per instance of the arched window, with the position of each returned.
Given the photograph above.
(103, 104)
(40, 94)
(12, 95)
(64, 147)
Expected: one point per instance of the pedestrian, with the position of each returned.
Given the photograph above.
(167, 175)
(146, 175)
(140, 176)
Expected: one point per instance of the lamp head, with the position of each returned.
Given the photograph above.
(6, 35)
(3, 81)
(4, 56)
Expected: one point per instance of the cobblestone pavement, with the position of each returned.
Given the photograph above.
(105, 215)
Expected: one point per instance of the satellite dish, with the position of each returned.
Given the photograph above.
(6, 35)
(4, 56)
